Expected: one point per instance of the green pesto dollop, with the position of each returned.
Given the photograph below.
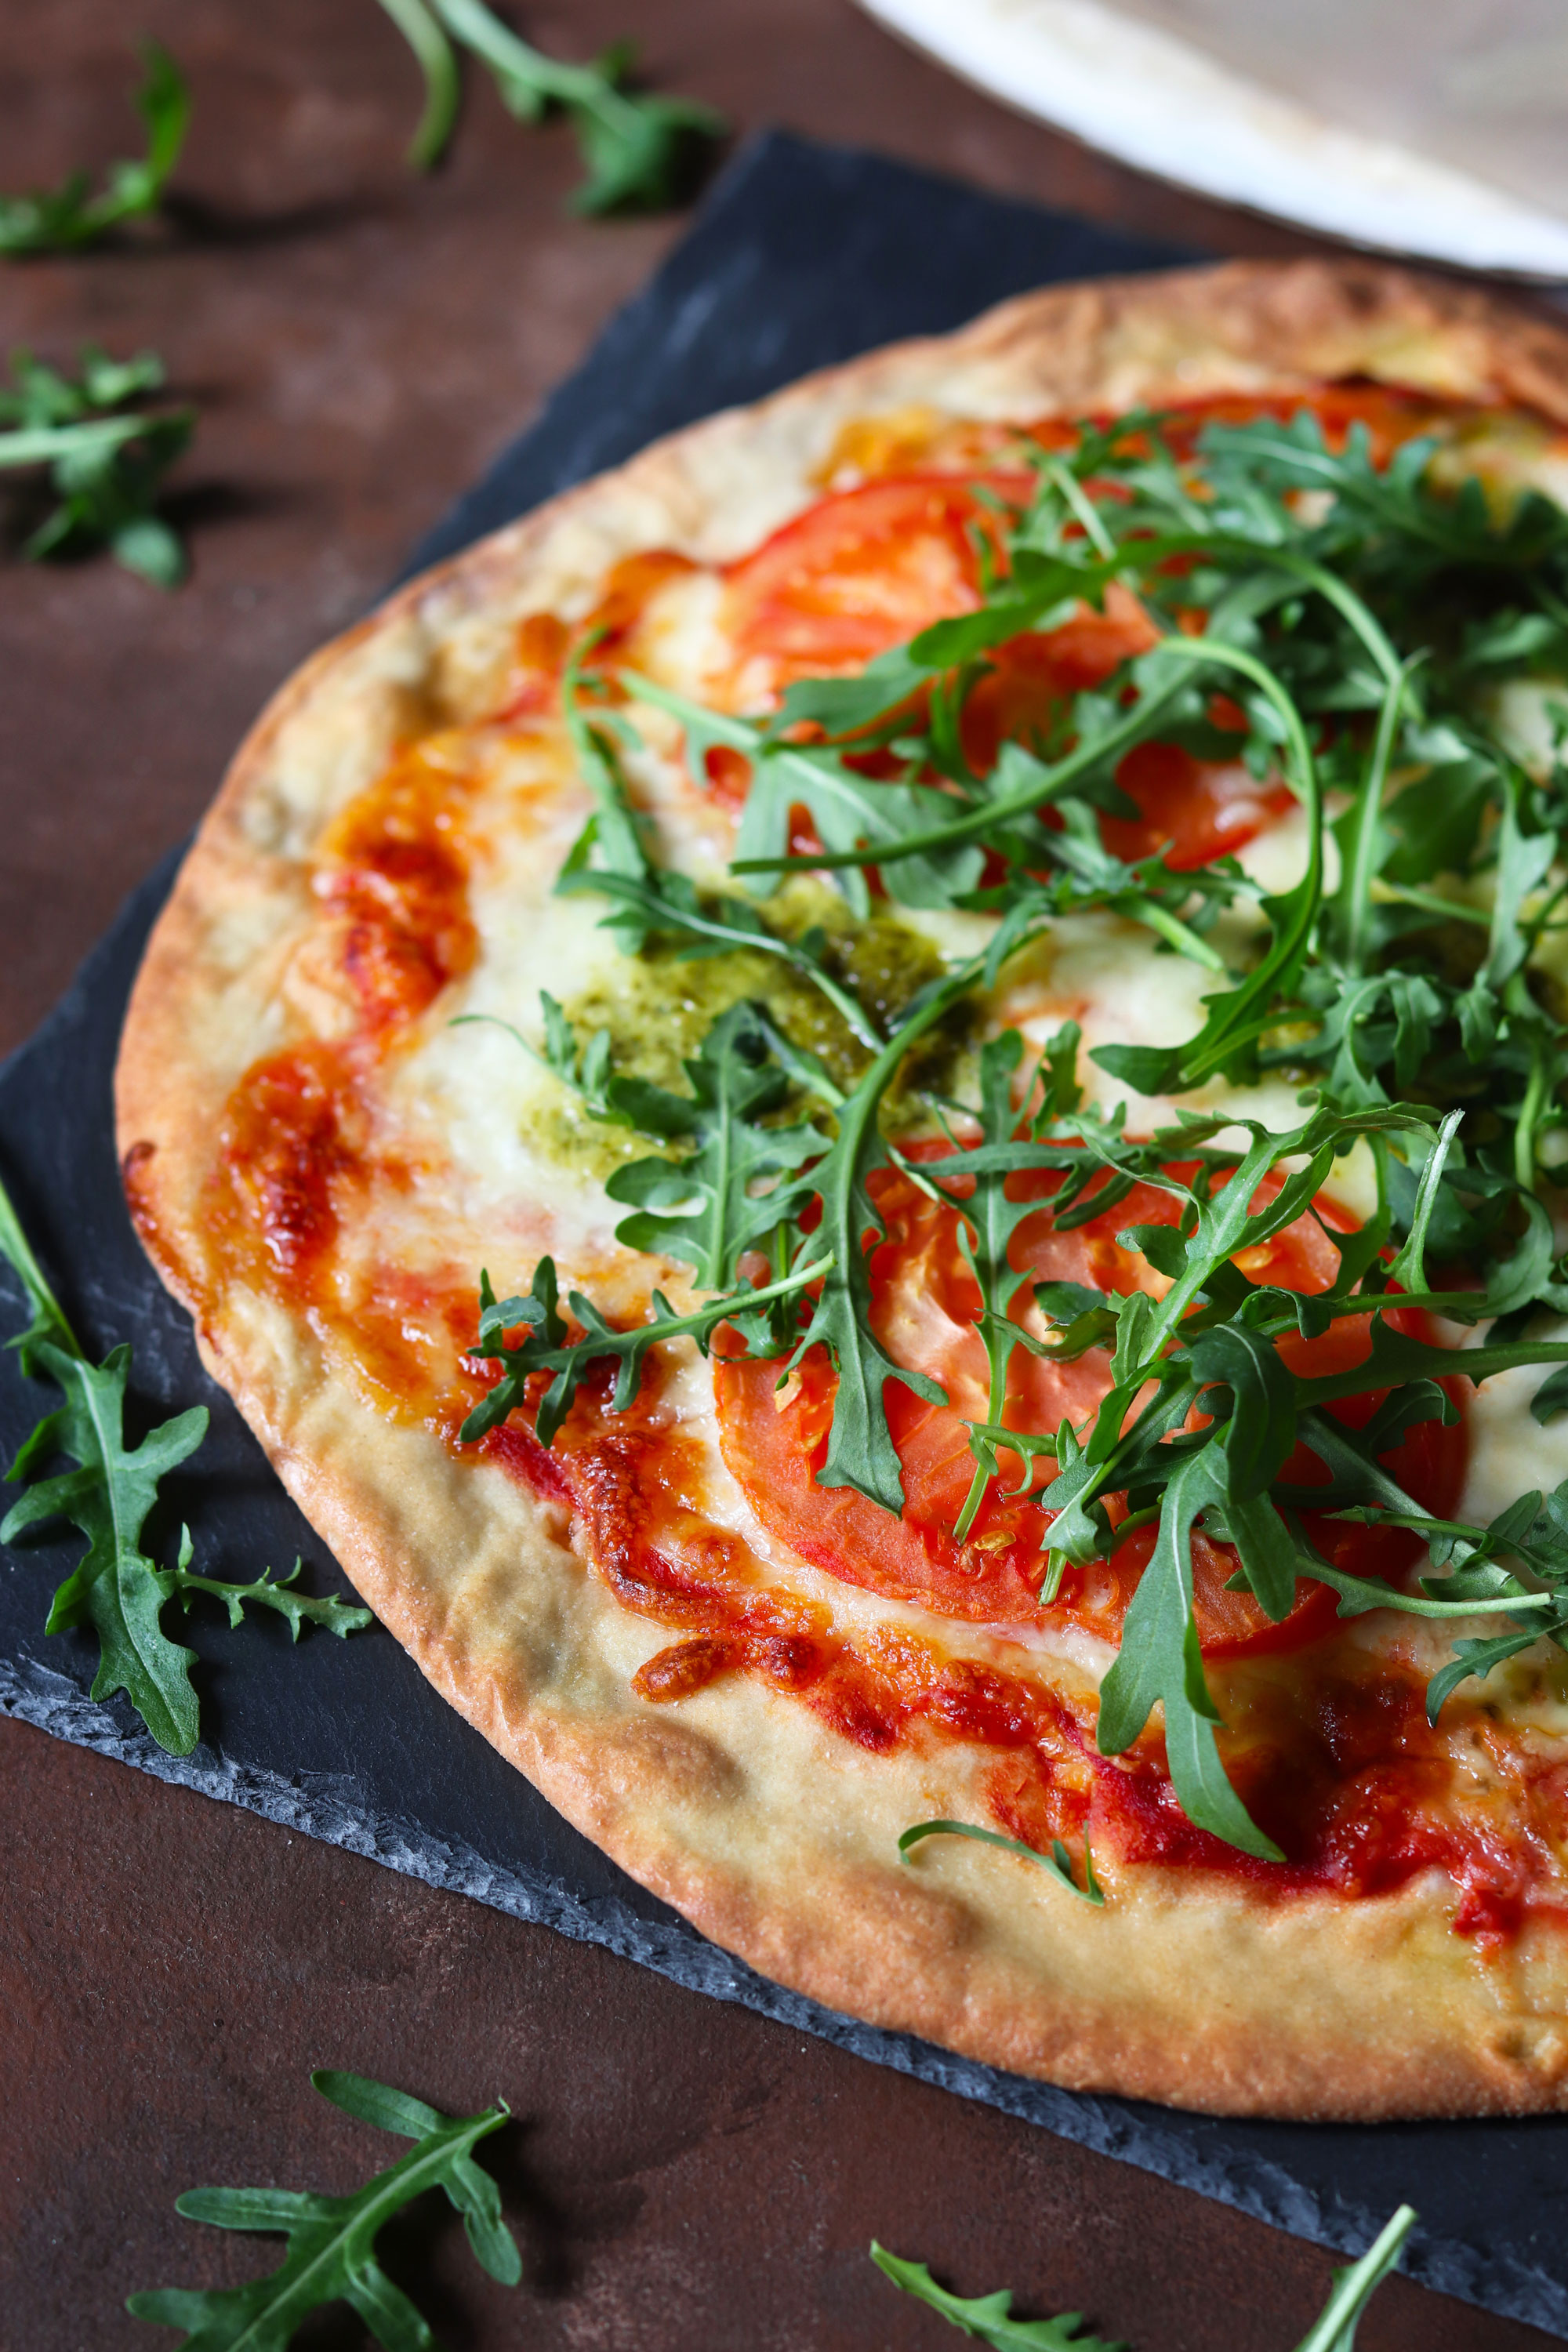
(658, 1006)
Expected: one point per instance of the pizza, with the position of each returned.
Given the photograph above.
(869, 1117)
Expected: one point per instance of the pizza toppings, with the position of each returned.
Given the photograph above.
(988, 1346)
(926, 1308)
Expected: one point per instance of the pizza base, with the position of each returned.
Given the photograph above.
(774, 1837)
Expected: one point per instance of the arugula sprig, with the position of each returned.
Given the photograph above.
(990, 2317)
(62, 219)
(116, 1592)
(548, 1348)
(1056, 1865)
(106, 457)
(267, 1591)
(641, 152)
(332, 2240)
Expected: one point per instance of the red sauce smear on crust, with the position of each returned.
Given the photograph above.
(287, 1144)
(394, 870)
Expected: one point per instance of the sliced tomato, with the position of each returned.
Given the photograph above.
(1192, 810)
(925, 1299)
(858, 572)
(1033, 674)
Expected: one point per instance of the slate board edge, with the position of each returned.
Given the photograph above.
(323, 1805)
(316, 1807)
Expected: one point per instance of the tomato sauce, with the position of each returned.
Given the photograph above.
(393, 871)
(287, 1144)
(392, 883)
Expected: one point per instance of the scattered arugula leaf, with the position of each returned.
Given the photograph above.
(62, 219)
(641, 152)
(115, 1592)
(443, 83)
(275, 1592)
(332, 2240)
(107, 459)
(989, 2317)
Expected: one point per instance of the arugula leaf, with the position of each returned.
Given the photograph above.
(443, 84)
(332, 2240)
(1057, 1863)
(106, 467)
(1160, 1663)
(642, 153)
(547, 1347)
(990, 2316)
(60, 220)
(1355, 2286)
(705, 1209)
(1478, 1657)
(115, 1591)
(1237, 1017)
(614, 834)
(338, 1616)
(860, 1450)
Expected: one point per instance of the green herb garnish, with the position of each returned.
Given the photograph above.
(1359, 636)
(116, 1592)
(106, 459)
(640, 151)
(1056, 1865)
(989, 2317)
(332, 2240)
(61, 219)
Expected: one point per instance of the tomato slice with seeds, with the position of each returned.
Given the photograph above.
(923, 1302)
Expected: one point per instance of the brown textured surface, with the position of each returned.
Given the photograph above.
(682, 2174)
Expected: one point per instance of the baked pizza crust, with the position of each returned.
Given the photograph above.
(774, 1837)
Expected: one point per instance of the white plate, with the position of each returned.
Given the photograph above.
(1158, 102)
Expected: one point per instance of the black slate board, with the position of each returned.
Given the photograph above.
(803, 256)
